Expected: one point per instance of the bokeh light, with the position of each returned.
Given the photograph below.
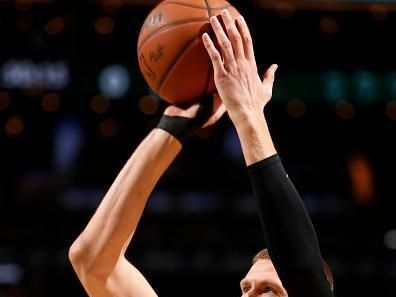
(148, 105)
(109, 127)
(23, 5)
(391, 110)
(335, 86)
(345, 110)
(296, 108)
(5, 100)
(14, 126)
(104, 25)
(114, 81)
(362, 180)
(99, 104)
(366, 85)
(55, 26)
(285, 9)
(329, 25)
(50, 102)
(390, 239)
(378, 11)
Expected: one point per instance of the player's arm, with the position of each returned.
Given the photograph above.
(289, 233)
(97, 255)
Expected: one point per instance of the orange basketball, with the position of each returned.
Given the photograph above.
(172, 57)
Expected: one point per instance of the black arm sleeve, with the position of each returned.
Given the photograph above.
(288, 231)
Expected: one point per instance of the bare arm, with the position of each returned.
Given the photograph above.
(98, 253)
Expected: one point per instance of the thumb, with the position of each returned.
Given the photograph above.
(269, 75)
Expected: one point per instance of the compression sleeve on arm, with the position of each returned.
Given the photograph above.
(288, 231)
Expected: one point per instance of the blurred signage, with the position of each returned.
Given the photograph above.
(26, 74)
(329, 4)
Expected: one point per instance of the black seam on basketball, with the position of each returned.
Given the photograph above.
(208, 79)
(174, 24)
(173, 63)
(208, 8)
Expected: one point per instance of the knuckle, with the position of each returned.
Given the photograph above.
(247, 39)
(225, 44)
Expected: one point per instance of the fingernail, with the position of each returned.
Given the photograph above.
(225, 12)
(214, 19)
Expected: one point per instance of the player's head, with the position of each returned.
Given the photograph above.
(263, 280)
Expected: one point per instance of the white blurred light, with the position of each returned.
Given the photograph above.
(10, 273)
(390, 239)
(24, 74)
(68, 139)
(114, 81)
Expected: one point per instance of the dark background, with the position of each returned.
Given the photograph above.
(64, 138)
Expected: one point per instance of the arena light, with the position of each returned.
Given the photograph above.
(366, 85)
(27, 74)
(390, 239)
(114, 81)
(10, 273)
(335, 85)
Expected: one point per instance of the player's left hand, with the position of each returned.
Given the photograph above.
(183, 123)
(205, 113)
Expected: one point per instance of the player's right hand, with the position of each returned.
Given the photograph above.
(242, 91)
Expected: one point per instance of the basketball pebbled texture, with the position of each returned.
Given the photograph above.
(172, 57)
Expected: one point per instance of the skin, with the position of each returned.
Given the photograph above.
(98, 254)
(262, 281)
(242, 91)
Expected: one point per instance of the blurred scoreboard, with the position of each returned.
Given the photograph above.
(387, 5)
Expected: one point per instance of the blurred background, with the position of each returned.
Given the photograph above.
(74, 106)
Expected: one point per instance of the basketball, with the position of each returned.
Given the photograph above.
(172, 57)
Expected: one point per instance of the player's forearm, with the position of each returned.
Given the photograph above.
(288, 231)
(102, 243)
(254, 136)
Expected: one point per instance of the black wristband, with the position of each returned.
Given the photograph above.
(179, 127)
(182, 127)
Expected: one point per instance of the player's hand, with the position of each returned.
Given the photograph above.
(206, 113)
(183, 123)
(242, 91)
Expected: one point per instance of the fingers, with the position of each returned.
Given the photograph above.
(269, 75)
(233, 34)
(214, 55)
(246, 38)
(224, 43)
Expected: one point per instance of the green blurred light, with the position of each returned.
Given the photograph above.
(366, 86)
(335, 86)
